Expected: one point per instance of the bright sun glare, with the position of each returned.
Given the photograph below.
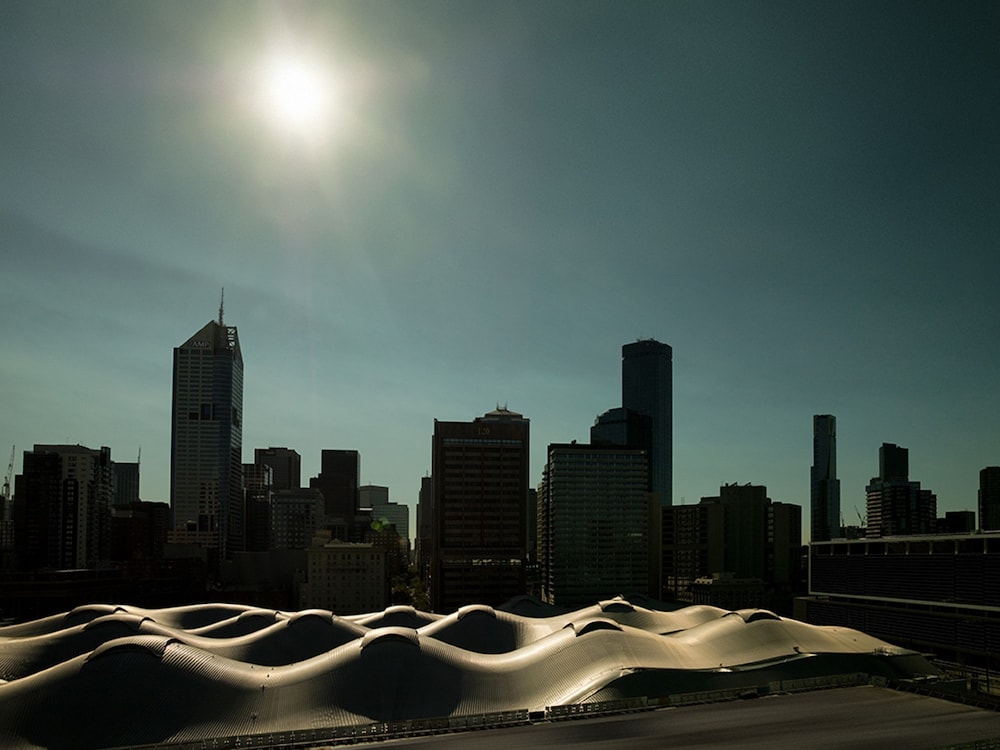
(297, 94)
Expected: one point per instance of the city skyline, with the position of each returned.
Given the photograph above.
(799, 199)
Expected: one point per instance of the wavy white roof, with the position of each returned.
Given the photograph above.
(126, 675)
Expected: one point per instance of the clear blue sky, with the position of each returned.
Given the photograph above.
(802, 198)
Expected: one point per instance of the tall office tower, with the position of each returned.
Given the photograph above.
(258, 485)
(206, 467)
(824, 485)
(595, 509)
(62, 508)
(338, 480)
(126, 484)
(286, 466)
(989, 498)
(425, 524)
(897, 506)
(647, 388)
(384, 511)
(478, 535)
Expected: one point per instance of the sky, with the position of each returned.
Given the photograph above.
(480, 202)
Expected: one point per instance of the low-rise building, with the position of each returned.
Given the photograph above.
(345, 578)
(935, 593)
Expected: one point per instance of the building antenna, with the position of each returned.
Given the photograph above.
(222, 304)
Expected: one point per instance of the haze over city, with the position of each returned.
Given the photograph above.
(482, 202)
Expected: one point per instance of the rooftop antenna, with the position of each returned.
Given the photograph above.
(222, 304)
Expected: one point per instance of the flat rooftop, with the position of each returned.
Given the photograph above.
(857, 717)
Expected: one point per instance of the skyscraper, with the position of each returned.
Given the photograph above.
(647, 388)
(824, 485)
(989, 498)
(478, 532)
(206, 467)
(594, 521)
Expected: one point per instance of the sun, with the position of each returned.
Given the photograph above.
(298, 95)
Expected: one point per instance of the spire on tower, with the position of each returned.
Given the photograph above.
(222, 304)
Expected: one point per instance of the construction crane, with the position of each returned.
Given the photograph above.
(6, 525)
(7, 477)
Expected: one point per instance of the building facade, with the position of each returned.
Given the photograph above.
(62, 507)
(258, 486)
(737, 539)
(824, 487)
(126, 483)
(936, 593)
(206, 467)
(478, 529)
(594, 522)
(345, 578)
(647, 389)
(989, 498)
(339, 479)
(296, 516)
(286, 466)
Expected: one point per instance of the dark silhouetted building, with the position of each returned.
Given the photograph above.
(338, 480)
(897, 506)
(594, 525)
(384, 512)
(286, 466)
(478, 535)
(139, 531)
(258, 487)
(346, 578)
(694, 545)
(647, 389)
(296, 516)
(62, 507)
(425, 526)
(935, 594)
(126, 484)
(824, 486)
(956, 522)
(989, 498)
(206, 466)
(621, 426)
(737, 542)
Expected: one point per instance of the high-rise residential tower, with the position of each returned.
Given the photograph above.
(647, 388)
(62, 513)
(897, 506)
(206, 467)
(595, 525)
(824, 485)
(478, 526)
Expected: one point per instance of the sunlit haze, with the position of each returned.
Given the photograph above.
(299, 95)
(429, 208)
